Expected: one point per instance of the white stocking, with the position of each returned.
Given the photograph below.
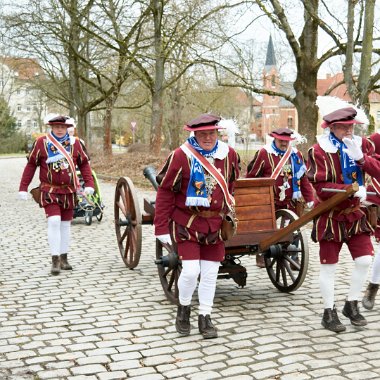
(54, 234)
(375, 276)
(65, 236)
(326, 284)
(187, 281)
(207, 285)
(358, 277)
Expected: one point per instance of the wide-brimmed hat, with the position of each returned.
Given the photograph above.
(203, 122)
(285, 134)
(342, 116)
(61, 120)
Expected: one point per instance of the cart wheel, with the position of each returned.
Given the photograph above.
(169, 269)
(127, 222)
(88, 220)
(279, 264)
(99, 217)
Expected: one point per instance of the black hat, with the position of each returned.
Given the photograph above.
(282, 134)
(61, 120)
(342, 116)
(203, 122)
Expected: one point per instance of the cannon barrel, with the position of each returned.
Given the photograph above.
(150, 173)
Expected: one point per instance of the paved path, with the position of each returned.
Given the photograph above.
(103, 321)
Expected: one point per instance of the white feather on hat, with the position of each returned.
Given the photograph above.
(299, 139)
(229, 125)
(50, 116)
(328, 104)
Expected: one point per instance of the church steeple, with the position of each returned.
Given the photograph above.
(271, 58)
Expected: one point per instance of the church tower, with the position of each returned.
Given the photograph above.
(271, 82)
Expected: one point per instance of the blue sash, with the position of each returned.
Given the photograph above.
(196, 194)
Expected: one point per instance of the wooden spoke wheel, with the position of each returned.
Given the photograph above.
(127, 222)
(169, 269)
(287, 262)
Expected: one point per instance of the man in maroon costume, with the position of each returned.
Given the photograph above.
(291, 184)
(58, 185)
(190, 205)
(339, 159)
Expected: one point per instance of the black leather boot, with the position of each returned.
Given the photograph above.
(206, 328)
(64, 263)
(182, 322)
(351, 311)
(330, 321)
(368, 300)
(55, 267)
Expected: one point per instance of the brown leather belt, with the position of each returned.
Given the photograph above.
(206, 213)
(55, 186)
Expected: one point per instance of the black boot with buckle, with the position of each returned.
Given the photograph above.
(64, 263)
(55, 267)
(370, 295)
(182, 322)
(206, 328)
(351, 311)
(330, 321)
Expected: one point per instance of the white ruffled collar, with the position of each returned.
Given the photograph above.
(325, 143)
(220, 154)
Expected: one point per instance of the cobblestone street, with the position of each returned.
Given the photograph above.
(103, 321)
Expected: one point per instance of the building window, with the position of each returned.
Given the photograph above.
(273, 81)
(34, 124)
(378, 115)
(290, 122)
(29, 123)
(28, 108)
(18, 107)
(19, 123)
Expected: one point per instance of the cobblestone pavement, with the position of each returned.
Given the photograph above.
(103, 321)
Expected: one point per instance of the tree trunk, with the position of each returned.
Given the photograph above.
(158, 92)
(366, 57)
(176, 111)
(107, 123)
(306, 81)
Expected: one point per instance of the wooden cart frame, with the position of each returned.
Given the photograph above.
(278, 235)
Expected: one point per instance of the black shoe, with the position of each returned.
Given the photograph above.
(368, 300)
(351, 311)
(206, 328)
(64, 263)
(56, 265)
(330, 321)
(182, 322)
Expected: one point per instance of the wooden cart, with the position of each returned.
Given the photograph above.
(279, 235)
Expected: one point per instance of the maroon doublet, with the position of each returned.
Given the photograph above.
(57, 182)
(196, 230)
(348, 219)
(263, 165)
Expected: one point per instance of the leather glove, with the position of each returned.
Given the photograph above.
(23, 195)
(361, 193)
(164, 239)
(89, 191)
(310, 204)
(353, 149)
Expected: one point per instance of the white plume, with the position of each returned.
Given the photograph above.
(299, 139)
(328, 104)
(50, 116)
(229, 125)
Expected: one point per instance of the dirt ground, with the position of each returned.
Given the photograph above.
(132, 164)
(126, 164)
